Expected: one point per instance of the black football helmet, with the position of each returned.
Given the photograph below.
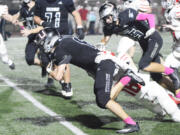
(47, 38)
(108, 9)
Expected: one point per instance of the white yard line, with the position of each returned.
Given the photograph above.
(3, 85)
(42, 107)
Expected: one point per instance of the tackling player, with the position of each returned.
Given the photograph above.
(54, 14)
(102, 65)
(3, 51)
(172, 16)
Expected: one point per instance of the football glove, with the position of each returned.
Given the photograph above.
(80, 32)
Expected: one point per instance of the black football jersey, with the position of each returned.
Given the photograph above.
(27, 16)
(77, 52)
(128, 26)
(55, 12)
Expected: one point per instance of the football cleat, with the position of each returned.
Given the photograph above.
(12, 66)
(67, 91)
(134, 78)
(129, 129)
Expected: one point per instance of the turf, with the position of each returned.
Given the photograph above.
(19, 117)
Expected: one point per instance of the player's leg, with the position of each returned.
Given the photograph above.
(67, 90)
(173, 61)
(125, 44)
(30, 53)
(4, 55)
(102, 90)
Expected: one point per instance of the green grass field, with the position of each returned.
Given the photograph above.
(18, 116)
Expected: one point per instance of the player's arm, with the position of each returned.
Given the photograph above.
(77, 18)
(58, 72)
(71, 9)
(37, 13)
(26, 32)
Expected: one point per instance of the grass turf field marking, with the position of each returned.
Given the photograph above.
(45, 109)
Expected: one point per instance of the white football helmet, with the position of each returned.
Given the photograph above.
(167, 4)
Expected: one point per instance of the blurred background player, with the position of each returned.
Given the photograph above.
(3, 51)
(54, 14)
(172, 16)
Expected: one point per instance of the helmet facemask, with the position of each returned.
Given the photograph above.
(108, 10)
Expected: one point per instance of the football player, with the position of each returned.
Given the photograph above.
(54, 13)
(172, 16)
(28, 29)
(130, 23)
(102, 65)
(24, 18)
(126, 44)
(152, 96)
(3, 51)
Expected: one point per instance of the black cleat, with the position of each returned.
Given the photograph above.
(50, 83)
(67, 91)
(12, 66)
(129, 129)
(134, 78)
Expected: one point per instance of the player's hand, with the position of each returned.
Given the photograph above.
(49, 67)
(101, 46)
(25, 32)
(80, 32)
(150, 32)
(168, 26)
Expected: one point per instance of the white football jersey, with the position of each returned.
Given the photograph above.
(172, 16)
(140, 5)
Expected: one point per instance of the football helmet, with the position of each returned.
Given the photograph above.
(167, 4)
(27, 1)
(108, 9)
(47, 38)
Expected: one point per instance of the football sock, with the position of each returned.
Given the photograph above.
(178, 95)
(130, 121)
(125, 80)
(168, 71)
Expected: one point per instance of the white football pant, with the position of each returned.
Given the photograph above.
(3, 52)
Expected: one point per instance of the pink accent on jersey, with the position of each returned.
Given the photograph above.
(125, 80)
(149, 17)
(168, 71)
(130, 121)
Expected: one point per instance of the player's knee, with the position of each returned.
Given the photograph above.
(156, 77)
(29, 60)
(102, 99)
